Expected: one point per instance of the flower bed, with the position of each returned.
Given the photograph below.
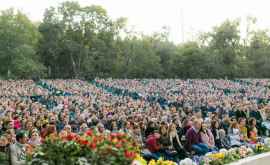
(120, 149)
(228, 156)
(89, 148)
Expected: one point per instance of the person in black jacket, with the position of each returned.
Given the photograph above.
(254, 113)
(240, 113)
(215, 131)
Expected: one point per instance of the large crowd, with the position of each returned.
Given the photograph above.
(172, 118)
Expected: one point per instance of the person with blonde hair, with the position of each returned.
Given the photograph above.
(175, 141)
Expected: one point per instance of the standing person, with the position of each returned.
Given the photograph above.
(194, 141)
(18, 149)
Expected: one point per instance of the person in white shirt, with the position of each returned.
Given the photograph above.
(18, 149)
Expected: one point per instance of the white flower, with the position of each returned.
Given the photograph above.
(249, 150)
(223, 150)
(83, 161)
(187, 161)
(267, 141)
(208, 154)
(232, 150)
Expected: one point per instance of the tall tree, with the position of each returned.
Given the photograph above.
(18, 39)
(78, 40)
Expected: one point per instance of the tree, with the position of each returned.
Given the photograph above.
(78, 41)
(258, 53)
(224, 45)
(18, 39)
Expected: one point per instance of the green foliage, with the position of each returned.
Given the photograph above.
(76, 41)
(4, 158)
(18, 39)
(114, 149)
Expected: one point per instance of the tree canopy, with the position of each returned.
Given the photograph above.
(75, 41)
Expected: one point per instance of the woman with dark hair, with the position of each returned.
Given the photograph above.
(215, 131)
(164, 137)
(207, 137)
(150, 128)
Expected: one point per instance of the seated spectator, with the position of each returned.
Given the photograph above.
(225, 123)
(83, 128)
(164, 137)
(175, 141)
(224, 140)
(137, 136)
(153, 145)
(194, 141)
(179, 128)
(240, 113)
(243, 130)
(255, 113)
(150, 128)
(207, 137)
(235, 135)
(35, 139)
(215, 131)
(252, 131)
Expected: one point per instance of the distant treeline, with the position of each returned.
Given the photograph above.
(83, 42)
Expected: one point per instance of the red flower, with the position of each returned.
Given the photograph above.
(89, 132)
(71, 137)
(123, 140)
(93, 145)
(82, 141)
(130, 154)
(118, 145)
(122, 134)
(114, 134)
(95, 140)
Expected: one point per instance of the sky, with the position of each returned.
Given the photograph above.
(184, 18)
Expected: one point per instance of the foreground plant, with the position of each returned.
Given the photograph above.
(89, 148)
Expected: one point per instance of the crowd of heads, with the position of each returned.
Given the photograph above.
(181, 117)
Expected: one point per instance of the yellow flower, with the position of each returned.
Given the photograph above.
(140, 159)
(152, 162)
(217, 156)
(164, 162)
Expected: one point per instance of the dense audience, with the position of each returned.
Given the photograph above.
(173, 119)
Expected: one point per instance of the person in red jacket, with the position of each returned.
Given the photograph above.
(152, 143)
(153, 146)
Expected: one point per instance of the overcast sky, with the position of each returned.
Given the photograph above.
(151, 15)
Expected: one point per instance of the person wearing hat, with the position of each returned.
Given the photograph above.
(18, 149)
